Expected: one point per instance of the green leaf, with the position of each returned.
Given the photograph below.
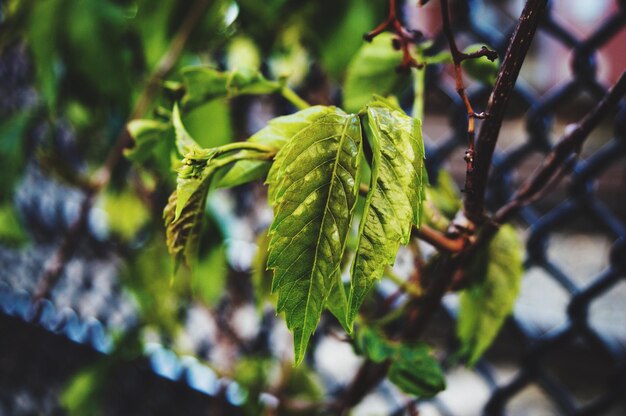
(412, 367)
(374, 345)
(416, 372)
(204, 84)
(146, 134)
(313, 187)
(184, 142)
(393, 202)
(485, 305)
(290, 60)
(274, 135)
(373, 71)
(83, 394)
(183, 230)
(359, 17)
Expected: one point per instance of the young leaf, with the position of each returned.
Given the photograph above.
(393, 202)
(204, 84)
(313, 187)
(183, 233)
(373, 71)
(496, 274)
(184, 142)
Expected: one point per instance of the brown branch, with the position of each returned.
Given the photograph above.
(560, 159)
(439, 240)
(369, 375)
(553, 167)
(404, 39)
(457, 58)
(476, 179)
(55, 265)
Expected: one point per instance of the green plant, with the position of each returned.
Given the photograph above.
(347, 184)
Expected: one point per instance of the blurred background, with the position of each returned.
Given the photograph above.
(90, 321)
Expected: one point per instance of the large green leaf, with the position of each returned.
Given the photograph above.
(313, 187)
(373, 71)
(496, 273)
(394, 199)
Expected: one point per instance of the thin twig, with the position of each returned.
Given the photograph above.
(457, 58)
(435, 238)
(405, 37)
(476, 179)
(570, 145)
(55, 265)
(439, 240)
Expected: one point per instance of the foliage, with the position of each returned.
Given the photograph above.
(412, 367)
(347, 186)
(496, 275)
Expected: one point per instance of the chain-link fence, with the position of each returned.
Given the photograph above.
(570, 362)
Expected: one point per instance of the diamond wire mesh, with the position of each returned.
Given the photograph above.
(581, 203)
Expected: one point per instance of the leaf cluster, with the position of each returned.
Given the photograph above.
(313, 161)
